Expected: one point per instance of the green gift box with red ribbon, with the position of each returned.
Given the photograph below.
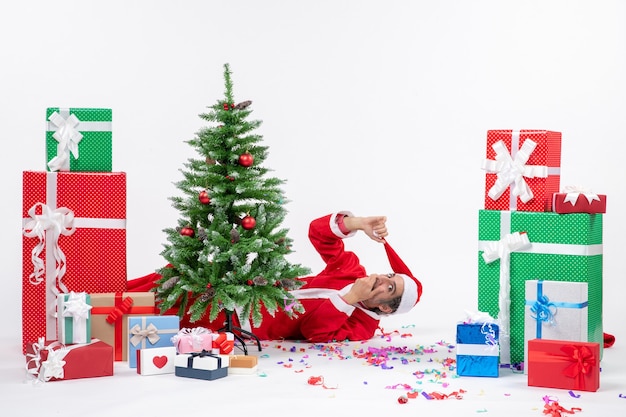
(73, 239)
(79, 139)
(515, 247)
(564, 364)
(110, 313)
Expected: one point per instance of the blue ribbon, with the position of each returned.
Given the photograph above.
(202, 354)
(544, 310)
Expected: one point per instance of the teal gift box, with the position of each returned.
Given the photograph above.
(147, 332)
(477, 349)
(79, 139)
(74, 318)
(515, 247)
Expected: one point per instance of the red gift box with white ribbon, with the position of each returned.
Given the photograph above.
(74, 239)
(223, 343)
(578, 200)
(53, 361)
(523, 169)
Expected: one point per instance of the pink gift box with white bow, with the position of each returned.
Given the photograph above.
(190, 340)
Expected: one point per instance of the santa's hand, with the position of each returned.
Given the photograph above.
(363, 289)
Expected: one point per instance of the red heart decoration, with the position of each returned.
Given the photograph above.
(159, 361)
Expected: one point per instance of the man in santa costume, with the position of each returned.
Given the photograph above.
(342, 302)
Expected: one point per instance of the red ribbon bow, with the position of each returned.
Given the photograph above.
(555, 410)
(582, 362)
(119, 310)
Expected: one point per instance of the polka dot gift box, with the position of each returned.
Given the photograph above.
(522, 169)
(515, 247)
(74, 239)
(79, 140)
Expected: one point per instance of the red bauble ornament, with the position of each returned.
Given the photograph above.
(187, 231)
(248, 222)
(204, 197)
(249, 282)
(230, 178)
(246, 159)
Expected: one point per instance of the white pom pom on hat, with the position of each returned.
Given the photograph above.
(412, 286)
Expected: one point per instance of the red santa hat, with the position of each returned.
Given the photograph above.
(412, 286)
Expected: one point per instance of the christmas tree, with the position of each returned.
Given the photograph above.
(229, 249)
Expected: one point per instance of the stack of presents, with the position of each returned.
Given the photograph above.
(539, 269)
(77, 318)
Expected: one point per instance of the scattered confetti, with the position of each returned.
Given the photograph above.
(555, 410)
(622, 396)
(574, 395)
(402, 399)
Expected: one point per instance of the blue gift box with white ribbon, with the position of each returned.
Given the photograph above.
(555, 310)
(477, 349)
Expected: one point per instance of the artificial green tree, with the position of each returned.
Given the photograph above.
(229, 251)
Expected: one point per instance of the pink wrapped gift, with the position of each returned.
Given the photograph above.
(193, 340)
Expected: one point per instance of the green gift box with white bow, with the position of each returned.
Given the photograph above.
(515, 247)
(79, 139)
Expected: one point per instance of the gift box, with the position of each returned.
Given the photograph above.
(74, 239)
(522, 169)
(242, 364)
(156, 361)
(555, 310)
(74, 318)
(201, 365)
(196, 339)
(109, 317)
(578, 200)
(53, 361)
(477, 349)
(148, 332)
(79, 139)
(559, 247)
(564, 364)
(223, 343)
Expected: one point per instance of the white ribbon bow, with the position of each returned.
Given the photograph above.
(67, 137)
(150, 332)
(52, 367)
(56, 222)
(574, 191)
(196, 336)
(512, 171)
(76, 307)
(502, 250)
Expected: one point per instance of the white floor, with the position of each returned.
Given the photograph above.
(347, 380)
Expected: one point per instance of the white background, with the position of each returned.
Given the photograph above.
(374, 107)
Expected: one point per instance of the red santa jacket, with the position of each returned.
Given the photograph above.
(327, 316)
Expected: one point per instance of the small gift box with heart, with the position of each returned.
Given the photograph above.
(190, 340)
(149, 332)
(156, 361)
(564, 364)
(201, 365)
